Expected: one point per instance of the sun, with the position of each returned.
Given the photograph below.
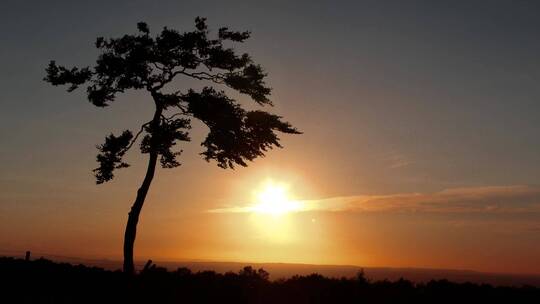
(271, 212)
(273, 199)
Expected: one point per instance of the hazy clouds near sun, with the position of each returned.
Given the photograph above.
(501, 199)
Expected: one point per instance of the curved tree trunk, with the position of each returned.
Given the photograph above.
(133, 215)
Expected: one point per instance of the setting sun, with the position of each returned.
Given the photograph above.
(273, 199)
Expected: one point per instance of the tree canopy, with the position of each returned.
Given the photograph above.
(144, 62)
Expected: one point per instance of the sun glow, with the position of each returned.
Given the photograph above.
(273, 199)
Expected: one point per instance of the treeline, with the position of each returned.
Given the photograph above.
(44, 281)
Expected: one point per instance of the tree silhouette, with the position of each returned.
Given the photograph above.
(143, 62)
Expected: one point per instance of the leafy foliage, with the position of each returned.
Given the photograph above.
(143, 62)
(163, 138)
(235, 134)
(110, 156)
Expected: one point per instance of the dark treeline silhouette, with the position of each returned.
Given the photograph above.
(44, 281)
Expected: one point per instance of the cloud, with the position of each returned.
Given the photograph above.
(397, 160)
(495, 199)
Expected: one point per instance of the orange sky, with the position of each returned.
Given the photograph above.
(406, 230)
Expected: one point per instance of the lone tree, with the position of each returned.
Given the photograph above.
(143, 62)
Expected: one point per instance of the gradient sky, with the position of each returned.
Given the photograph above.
(421, 144)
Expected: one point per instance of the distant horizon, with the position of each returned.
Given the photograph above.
(140, 262)
(278, 271)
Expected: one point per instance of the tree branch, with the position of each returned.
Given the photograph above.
(216, 78)
(134, 139)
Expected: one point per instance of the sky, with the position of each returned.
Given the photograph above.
(421, 143)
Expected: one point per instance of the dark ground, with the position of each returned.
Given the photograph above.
(43, 281)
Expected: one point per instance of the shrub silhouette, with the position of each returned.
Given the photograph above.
(143, 62)
(42, 281)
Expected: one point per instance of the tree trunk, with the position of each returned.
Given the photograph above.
(133, 215)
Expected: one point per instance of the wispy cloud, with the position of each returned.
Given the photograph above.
(495, 199)
(397, 160)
